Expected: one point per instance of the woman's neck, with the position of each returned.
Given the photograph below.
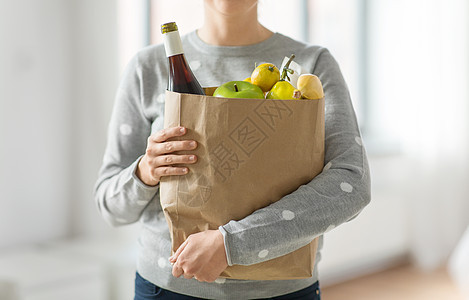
(237, 30)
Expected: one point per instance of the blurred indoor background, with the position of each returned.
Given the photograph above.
(407, 66)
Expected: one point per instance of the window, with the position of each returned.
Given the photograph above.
(133, 30)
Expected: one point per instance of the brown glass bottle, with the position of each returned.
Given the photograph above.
(180, 79)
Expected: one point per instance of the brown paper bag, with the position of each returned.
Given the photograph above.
(251, 152)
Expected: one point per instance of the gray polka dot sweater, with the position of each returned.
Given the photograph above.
(333, 197)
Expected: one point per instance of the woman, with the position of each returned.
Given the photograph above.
(138, 154)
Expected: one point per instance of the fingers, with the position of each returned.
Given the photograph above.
(160, 158)
(158, 143)
(171, 160)
(177, 271)
(168, 171)
(167, 133)
(177, 267)
(160, 148)
(181, 266)
(173, 258)
(190, 262)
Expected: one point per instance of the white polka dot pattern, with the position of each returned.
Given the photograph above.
(161, 262)
(346, 187)
(288, 215)
(161, 98)
(263, 253)
(195, 65)
(220, 280)
(327, 166)
(358, 140)
(125, 129)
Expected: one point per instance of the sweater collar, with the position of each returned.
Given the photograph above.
(247, 50)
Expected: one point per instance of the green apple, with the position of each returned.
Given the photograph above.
(239, 89)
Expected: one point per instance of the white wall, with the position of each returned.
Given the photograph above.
(95, 76)
(35, 121)
(58, 75)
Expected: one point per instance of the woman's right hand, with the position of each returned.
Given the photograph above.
(159, 159)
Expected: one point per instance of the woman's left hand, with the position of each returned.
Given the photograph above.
(202, 256)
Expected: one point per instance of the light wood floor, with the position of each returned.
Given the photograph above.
(403, 283)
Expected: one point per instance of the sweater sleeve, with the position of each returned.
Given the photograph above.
(336, 195)
(120, 195)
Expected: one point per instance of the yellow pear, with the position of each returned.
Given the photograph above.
(310, 86)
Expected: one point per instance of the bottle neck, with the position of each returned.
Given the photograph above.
(172, 43)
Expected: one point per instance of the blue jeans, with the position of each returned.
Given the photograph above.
(145, 290)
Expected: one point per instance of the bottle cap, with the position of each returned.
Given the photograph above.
(169, 27)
